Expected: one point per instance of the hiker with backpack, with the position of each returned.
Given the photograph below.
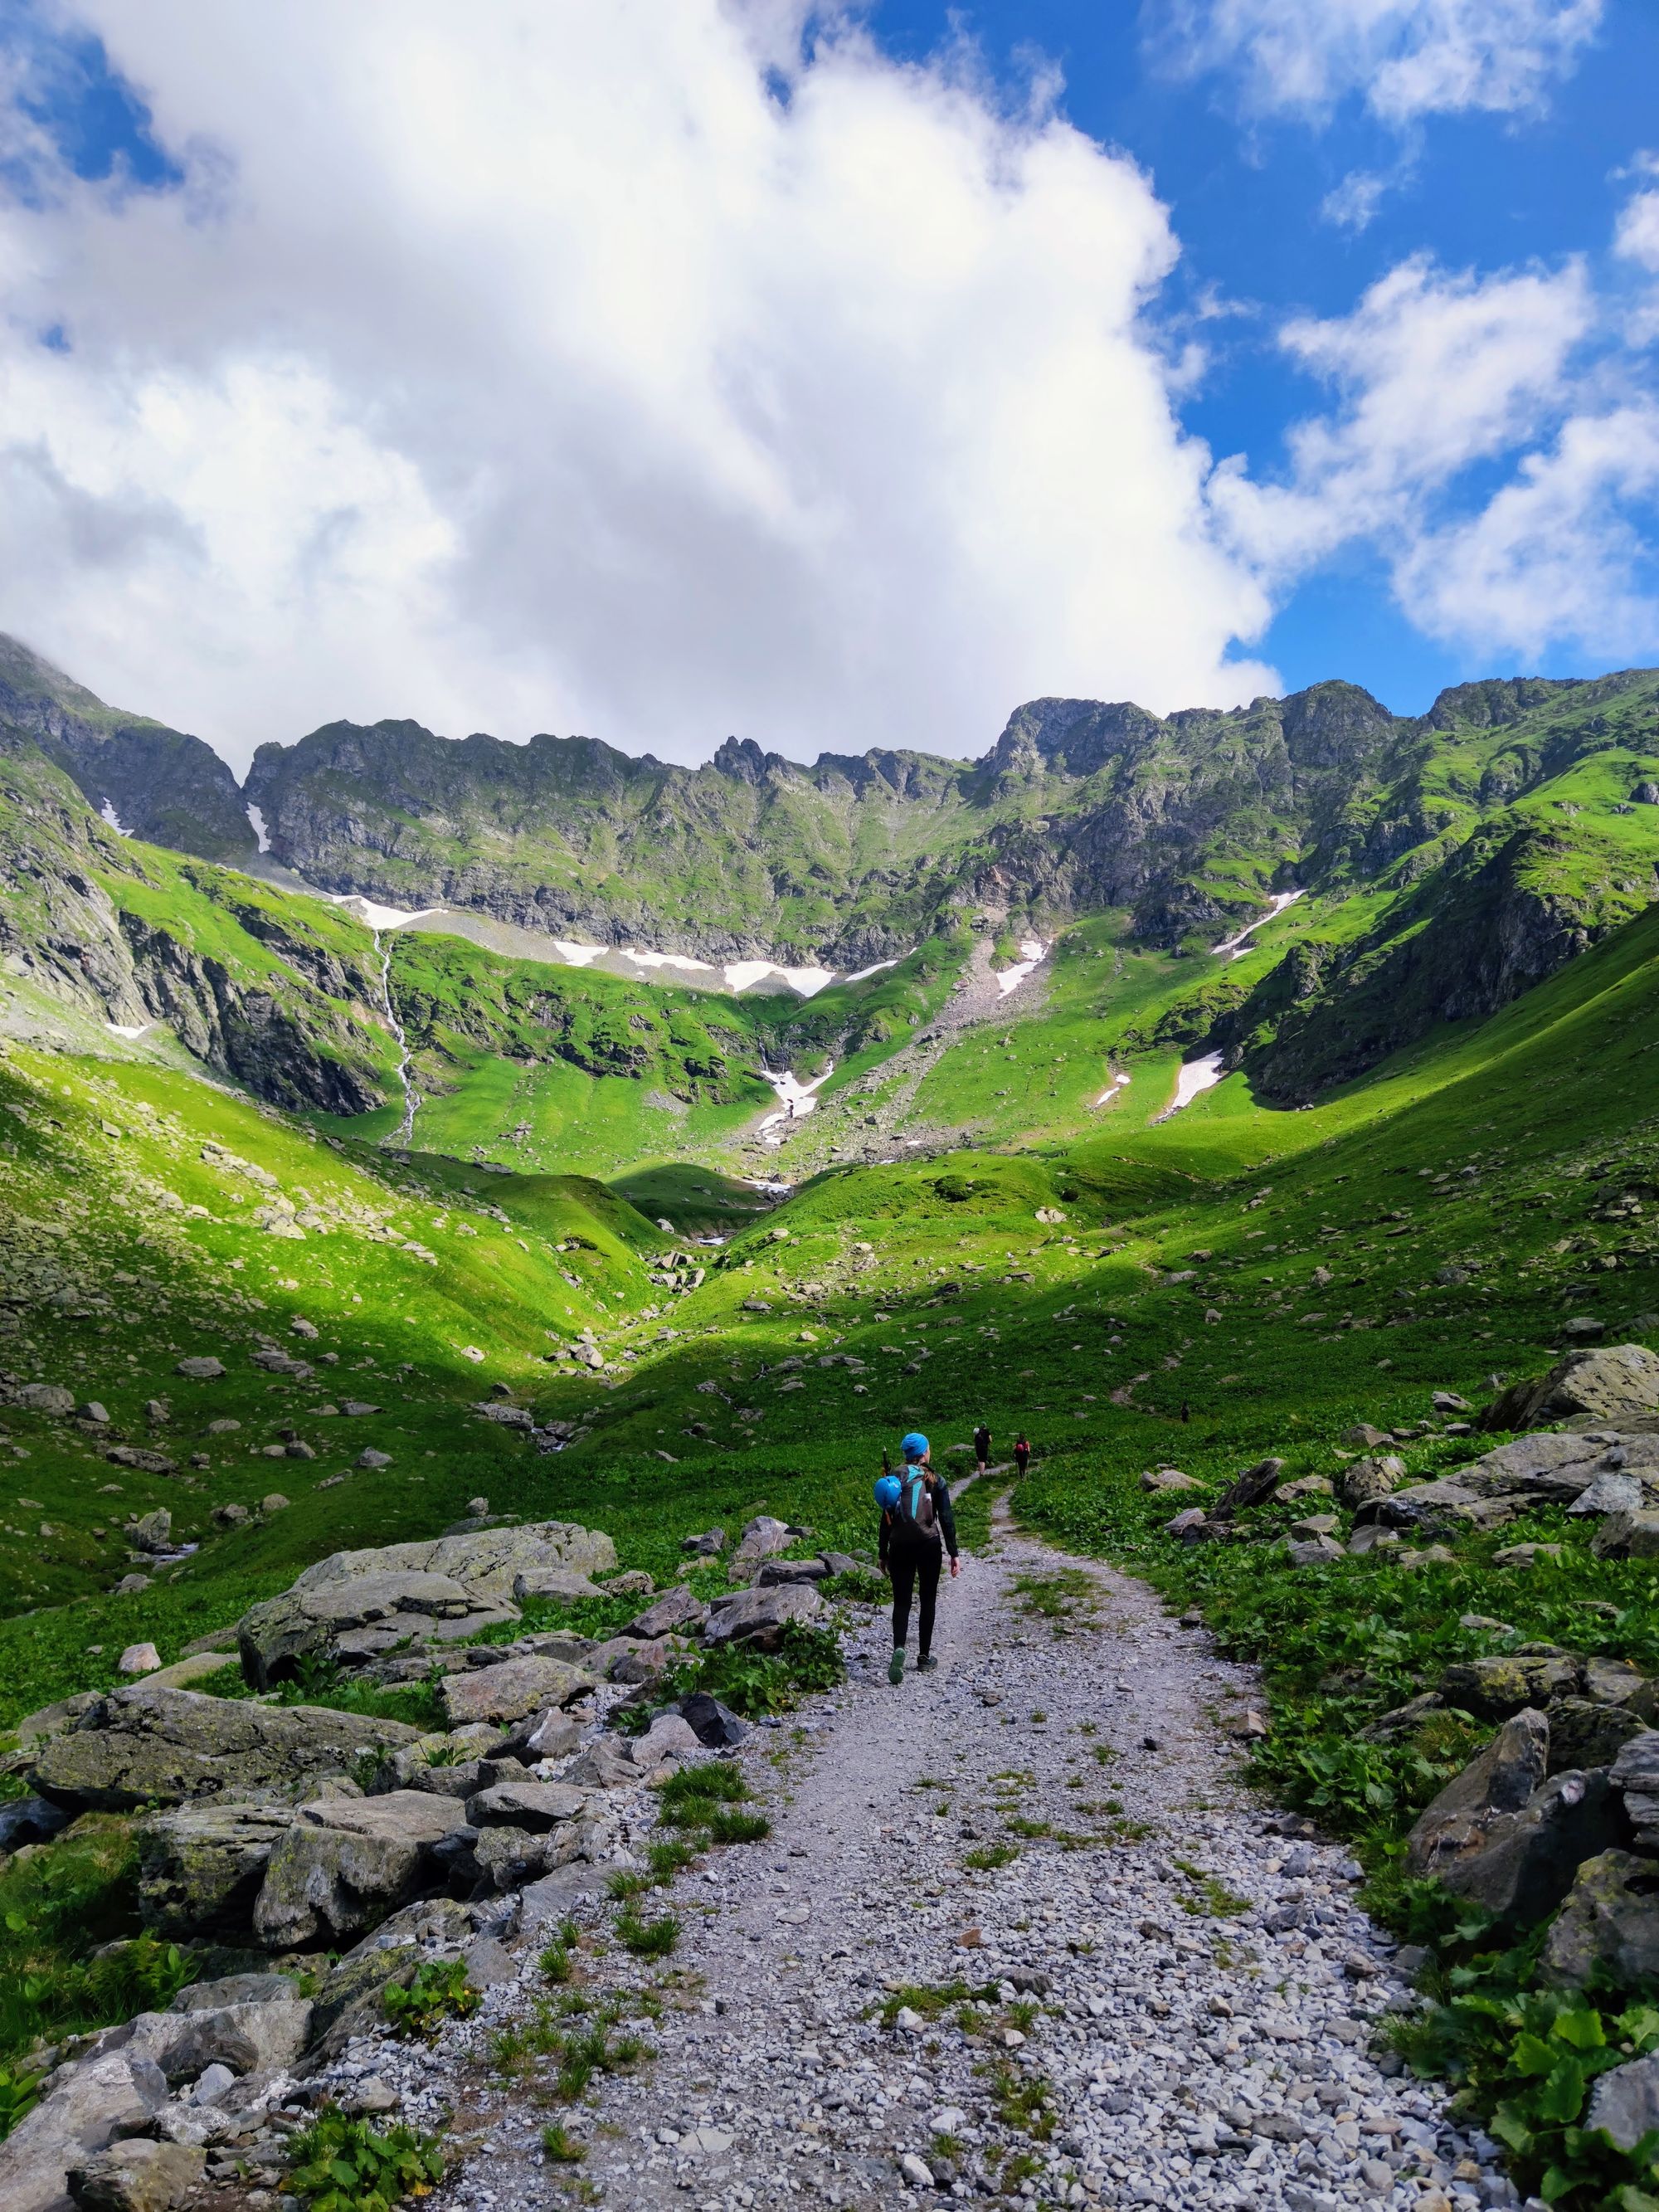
(982, 1448)
(915, 1513)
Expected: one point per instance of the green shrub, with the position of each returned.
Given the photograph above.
(438, 1990)
(18, 2091)
(72, 1957)
(348, 2165)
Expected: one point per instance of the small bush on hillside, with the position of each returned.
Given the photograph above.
(348, 2165)
(438, 1990)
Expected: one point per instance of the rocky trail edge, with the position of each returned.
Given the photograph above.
(1018, 1932)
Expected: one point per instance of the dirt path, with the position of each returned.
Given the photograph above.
(1168, 2001)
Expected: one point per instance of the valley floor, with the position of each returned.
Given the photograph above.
(1018, 1931)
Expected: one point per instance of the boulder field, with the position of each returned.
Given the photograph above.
(345, 1849)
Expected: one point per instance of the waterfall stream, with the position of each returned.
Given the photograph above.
(405, 1131)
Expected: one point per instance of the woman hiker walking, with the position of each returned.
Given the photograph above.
(915, 1512)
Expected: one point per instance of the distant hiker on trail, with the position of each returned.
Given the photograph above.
(1022, 1452)
(982, 1448)
(916, 1511)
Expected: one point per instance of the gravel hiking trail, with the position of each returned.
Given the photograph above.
(1018, 1933)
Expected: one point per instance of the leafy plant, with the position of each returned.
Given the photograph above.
(18, 2092)
(437, 1990)
(340, 2164)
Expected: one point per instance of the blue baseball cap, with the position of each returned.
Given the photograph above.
(915, 1446)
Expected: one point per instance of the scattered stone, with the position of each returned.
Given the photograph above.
(138, 1659)
(200, 1867)
(200, 1368)
(1515, 1859)
(758, 1617)
(676, 1608)
(1610, 1921)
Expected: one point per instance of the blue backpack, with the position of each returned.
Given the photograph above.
(915, 1510)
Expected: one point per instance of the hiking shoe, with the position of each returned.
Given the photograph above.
(896, 1672)
(927, 1666)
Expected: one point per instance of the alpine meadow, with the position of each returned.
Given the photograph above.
(474, 1218)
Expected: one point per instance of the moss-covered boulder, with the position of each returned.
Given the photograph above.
(147, 1745)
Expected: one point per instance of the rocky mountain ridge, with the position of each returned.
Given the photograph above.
(1460, 857)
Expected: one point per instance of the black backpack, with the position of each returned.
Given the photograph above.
(915, 1514)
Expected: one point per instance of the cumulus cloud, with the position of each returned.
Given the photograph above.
(1434, 370)
(1406, 59)
(1444, 382)
(1557, 553)
(637, 371)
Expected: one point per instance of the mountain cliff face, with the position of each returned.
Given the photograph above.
(249, 983)
(1456, 858)
(158, 783)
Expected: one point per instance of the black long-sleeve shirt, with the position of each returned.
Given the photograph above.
(893, 1528)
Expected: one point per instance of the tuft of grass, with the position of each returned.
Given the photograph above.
(986, 1856)
(561, 2145)
(648, 1939)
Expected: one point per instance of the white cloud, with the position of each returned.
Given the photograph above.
(1434, 372)
(1442, 384)
(1637, 234)
(1353, 204)
(1555, 554)
(1405, 59)
(530, 367)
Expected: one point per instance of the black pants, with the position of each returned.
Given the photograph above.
(915, 1567)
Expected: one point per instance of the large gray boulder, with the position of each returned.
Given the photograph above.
(354, 1620)
(138, 2176)
(1624, 2103)
(347, 1862)
(509, 1691)
(1612, 1380)
(1515, 1856)
(1584, 1733)
(485, 1560)
(759, 1617)
(200, 1866)
(675, 1609)
(348, 1999)
(1493, 1689)
(763, 1539)
(1628, 1536)
(87, 2106)
(354, 1605)
(1369, 1479)
(1610, 1920)
(149, 1746)
(536, 1806)
(261, 2036)
(1635, 1776)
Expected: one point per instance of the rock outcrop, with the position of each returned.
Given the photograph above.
(148, 1746)
(355, 1605)
(1602, 1385)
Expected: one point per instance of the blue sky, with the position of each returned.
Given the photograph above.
(1477, 189)
(834, 378)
